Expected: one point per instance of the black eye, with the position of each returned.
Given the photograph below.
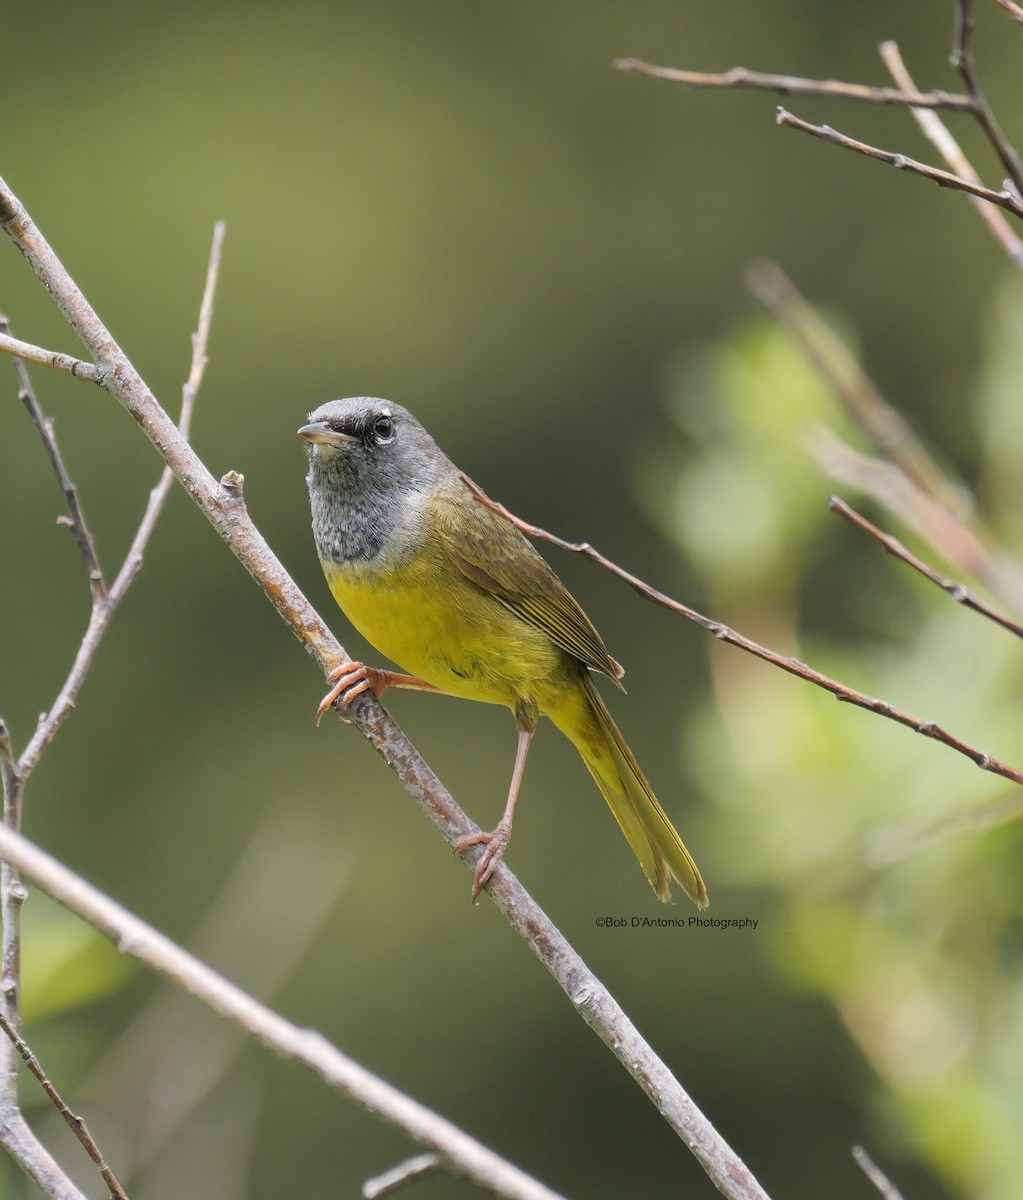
(383, 428)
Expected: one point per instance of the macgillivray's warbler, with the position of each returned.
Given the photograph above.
(453, 593)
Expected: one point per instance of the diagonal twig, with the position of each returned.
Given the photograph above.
(841, 371)
(793, 666)
(937, 132)
(33, 1158)
(974, 101)
(893, 844)
(963, 61)
(1013, 9)
(955, 541)
(281, 847)
(742, 77)
(910, 484)
(76, 521)
(12, 897)
(392, 1180)
(134, 937)
(16, 1136)
(53, 359)
(958, 591)
(75, 1123)
(877, 1177)
(223, 506)
(902, 162)
(103, 610)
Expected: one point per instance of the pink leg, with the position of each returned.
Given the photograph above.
(354, 678)
(497, 842)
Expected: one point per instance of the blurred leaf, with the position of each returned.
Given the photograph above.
(66, 963)
(919, 951)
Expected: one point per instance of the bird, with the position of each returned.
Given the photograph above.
(455, 595)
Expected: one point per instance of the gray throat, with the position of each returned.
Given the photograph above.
(349, 523)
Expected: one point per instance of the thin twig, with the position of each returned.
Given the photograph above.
(76, 523)
(12, 897)
(223, 506)
(937, 132)
(889, 486)
(893, 844)
(390, 1181)
(974, 101)
(958, 591)
(33, 1158)
(103, 610)
(104, 603)
(75, 1123)
(840, 370)
(53, 359)
(796, 85)
(877, 1177)
(201, 337)
(8, 764)
(902, 162)
(1013, 9)
(281, 847)
(911, 484)
(793, 666)
(134, 937)
(963, 61)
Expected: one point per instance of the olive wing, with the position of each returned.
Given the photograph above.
(491, 552)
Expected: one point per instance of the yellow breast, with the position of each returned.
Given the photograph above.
(433, 622)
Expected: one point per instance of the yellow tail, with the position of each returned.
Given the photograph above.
(651, 835)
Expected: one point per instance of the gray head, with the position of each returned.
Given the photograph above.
(371, 466)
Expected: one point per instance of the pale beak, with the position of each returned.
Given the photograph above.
(321, 434)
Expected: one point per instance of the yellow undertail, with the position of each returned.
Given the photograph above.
(653, 838)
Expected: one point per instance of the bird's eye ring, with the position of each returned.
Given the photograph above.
(383, 428)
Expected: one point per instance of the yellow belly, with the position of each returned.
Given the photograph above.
(434, 623)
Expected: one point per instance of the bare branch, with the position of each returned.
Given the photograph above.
(104, 602)
(77, 524)
(222, 505)
(75, 1123)
(1004, 199)
(892, 845)
(741, 77)
(132, 936)
(911, 484)
(962, 59)
(793, 666)
(200, 339)
(889, 486)
(52, 358)
(877, 1177)
(12, 898)
(390, 1181)
(974, 101)
(938, 134)
(7, 761)
(281, 847)
(1013, 9)
(958, 591)
(841, 371)
(103, 609)
(33, 1158)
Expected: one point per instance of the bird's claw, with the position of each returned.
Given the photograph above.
(496, 843)
(350, 680)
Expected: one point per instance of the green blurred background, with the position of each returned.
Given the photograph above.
(463, 207)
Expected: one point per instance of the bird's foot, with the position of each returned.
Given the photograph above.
(496, 843)
(354, 678)
(351, 680)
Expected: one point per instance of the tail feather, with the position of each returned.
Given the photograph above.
(653, 838)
